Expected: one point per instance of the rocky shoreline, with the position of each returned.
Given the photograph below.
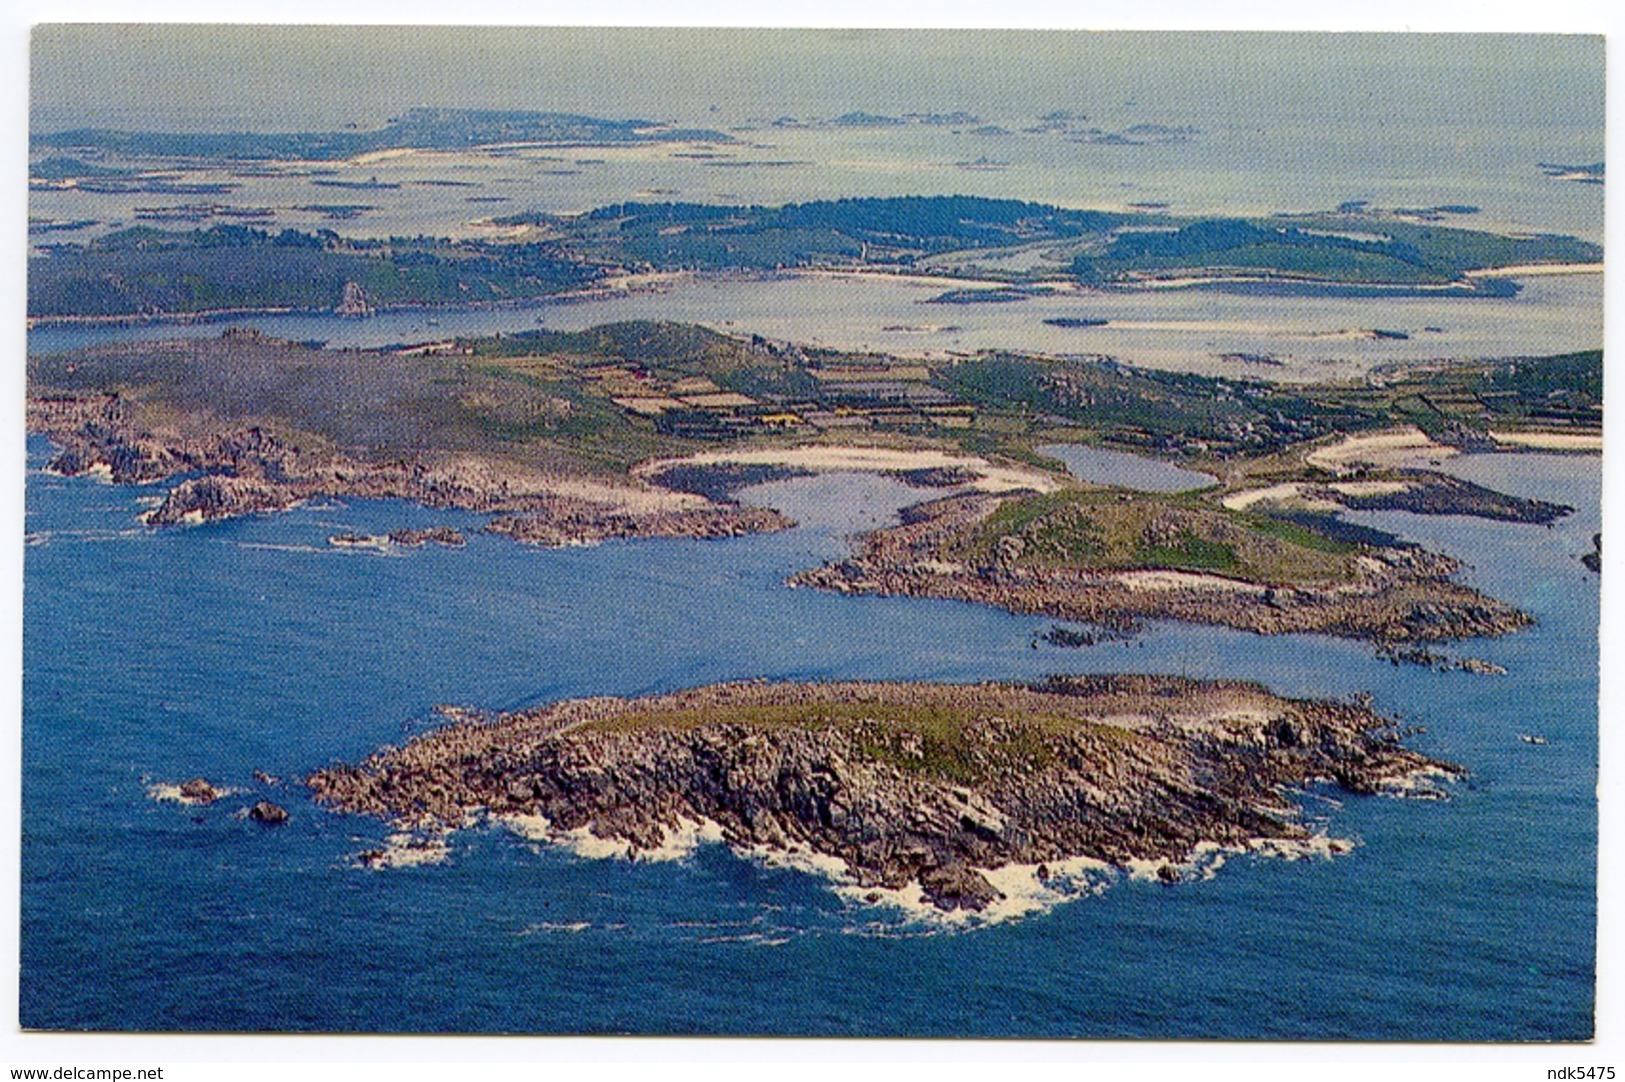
(575, 522)
(250, 470)
(1428, 492)
(1399, 595)
(905, 785)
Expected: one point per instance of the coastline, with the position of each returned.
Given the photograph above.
(1021, 889)
(251, 470)
(612, 286)
(519, 443)
(969, 799)
(1537, 270)
(1391, 597)
(632, 283)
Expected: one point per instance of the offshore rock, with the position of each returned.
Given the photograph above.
(207, 499)
(439, 535)
(199, 791)
(266, 812)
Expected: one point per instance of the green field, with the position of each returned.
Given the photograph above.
(1093, 530)
(932, 731)
(580, 403)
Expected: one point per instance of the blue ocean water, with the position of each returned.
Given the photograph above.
(154, 656)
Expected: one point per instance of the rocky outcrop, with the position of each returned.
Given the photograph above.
(247, 470)
(354, 302)
(719, 481)
(268, 813)
(1428, 492)
(199, 791)
(905, 783)
(936, 477)
(569, 522)
(94, 431)
(206, 499)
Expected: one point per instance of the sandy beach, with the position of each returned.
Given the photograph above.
(1291, 490)
(1391, 448)
(990, 477)
(1184, 580)
(931, 281)
(1537, 270)
(1551, 441)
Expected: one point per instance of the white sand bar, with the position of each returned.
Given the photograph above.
(1391, 447)
(1550, 441)
(1184, 580)
(990, 478)
(1535, 270)
(514, 480)
(1240, 501)
(1290, 492)
(1368, 488)
(934, 281)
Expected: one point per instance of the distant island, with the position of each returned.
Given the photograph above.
(421, 129)
(1359, 246)
(146, 273)
(926, 789)
(143, 272)
(1591, 173)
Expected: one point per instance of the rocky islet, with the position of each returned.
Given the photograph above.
(904, 784)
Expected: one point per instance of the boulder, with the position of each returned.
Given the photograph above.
(199, 791)
(264, 811)
(954, 886)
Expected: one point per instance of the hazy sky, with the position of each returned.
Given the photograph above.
(292, 78)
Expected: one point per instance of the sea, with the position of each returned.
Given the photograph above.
(254, 645)
(153, 656)
(1295, 338)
